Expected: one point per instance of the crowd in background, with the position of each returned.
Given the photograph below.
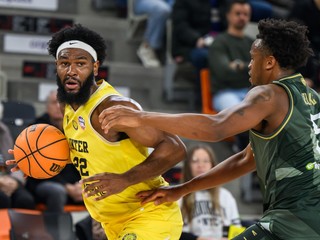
(207, 34)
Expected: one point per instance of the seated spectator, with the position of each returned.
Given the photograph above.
(229, 57)
(53, 114)
(191, 36)
(158, 12)
(12, 191)
(260, 9)
(308, 13)
(64, 188)
(207, 214)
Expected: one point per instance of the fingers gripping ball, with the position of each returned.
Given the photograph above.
(41, 151)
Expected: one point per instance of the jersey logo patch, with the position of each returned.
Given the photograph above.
(82, 122)
(130, 236)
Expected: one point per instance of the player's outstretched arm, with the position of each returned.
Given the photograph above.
(228, 170)
(259, 104)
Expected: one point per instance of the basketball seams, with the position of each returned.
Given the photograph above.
(51, 158)
(32, 152)
(45, 146)
(36, 165)
(25, 156)
(38, 150)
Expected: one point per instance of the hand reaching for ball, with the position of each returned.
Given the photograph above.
(12, 162)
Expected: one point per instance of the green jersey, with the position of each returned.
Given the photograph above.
(288, 165)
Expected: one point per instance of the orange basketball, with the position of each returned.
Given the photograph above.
(41, 151)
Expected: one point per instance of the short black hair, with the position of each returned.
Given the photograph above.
(78, 32)
(287, 41)
(230, 3)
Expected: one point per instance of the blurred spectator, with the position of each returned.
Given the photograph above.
(158, 12)
(191, 36)
(260, 9)
(307, 12)
(53, 114)
(207, 214)
(228, 61)
(12, 191)
(64, 188)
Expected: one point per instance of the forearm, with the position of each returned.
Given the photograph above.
(186, 125)
(166, 155)
(228, 170)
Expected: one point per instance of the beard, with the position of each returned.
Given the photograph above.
(78, 98)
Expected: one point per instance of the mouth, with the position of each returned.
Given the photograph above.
(71, 85)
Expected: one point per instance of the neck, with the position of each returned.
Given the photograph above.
(93, 88)
(283, 74)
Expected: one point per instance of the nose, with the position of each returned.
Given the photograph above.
(71, 70)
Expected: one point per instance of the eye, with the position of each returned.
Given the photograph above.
(64, 64)
(81, 64)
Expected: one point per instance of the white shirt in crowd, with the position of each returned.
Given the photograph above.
(206, 222)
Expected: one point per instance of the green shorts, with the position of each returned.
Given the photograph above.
(256, 232)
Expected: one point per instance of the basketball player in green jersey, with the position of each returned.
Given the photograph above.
(283, 116)
(117, 165)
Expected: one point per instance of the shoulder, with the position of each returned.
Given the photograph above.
(220, 42)
(226, 198)
(44, 118)
(114, 100)
(264, 93)
(121, 100)
(220, 37)
(249, 39)
(225, 193)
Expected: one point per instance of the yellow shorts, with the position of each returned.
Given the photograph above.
(162, 222)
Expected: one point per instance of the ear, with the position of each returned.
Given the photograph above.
(96, 66)
(270, 62)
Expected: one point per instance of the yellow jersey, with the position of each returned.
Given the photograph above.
(91, 154)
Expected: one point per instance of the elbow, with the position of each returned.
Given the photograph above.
(179, 150)
(182, 151)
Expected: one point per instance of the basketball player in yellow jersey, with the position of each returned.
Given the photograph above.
(116, 166)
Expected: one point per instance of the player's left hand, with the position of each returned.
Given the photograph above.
(12, 162)
(103, 185)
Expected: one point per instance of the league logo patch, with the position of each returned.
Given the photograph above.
(130, 236)
(82, 122)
